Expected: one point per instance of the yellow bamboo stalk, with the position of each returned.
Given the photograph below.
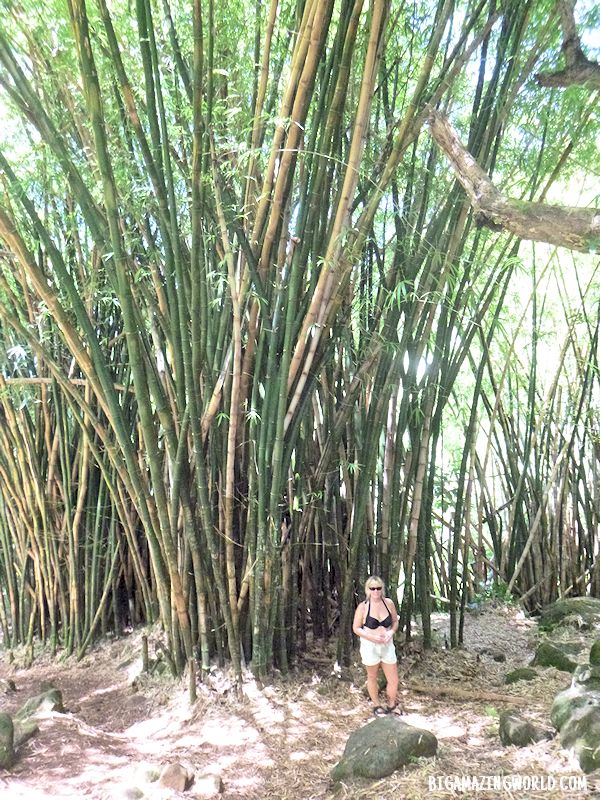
(258, 124)
(298, 59)
(314, 320)
(293, 142)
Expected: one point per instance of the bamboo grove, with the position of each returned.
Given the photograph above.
(256, 345)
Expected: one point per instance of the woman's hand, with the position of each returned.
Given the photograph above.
(376, 637)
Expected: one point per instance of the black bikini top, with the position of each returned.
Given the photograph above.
(373, 622)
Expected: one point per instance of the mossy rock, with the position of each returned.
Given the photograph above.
(595, 654)
(7, 742)
(568, 646)
(24, 730)
(582, 733)
(515, 729)
(587, 675)
(587, 608)
(50, 700)
(567, 702)
(520, 674)
(550, 655)
(383, 746)
(575, 621)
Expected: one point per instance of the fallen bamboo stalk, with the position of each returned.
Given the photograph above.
(454, 693)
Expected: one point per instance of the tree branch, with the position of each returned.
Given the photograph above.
(573, 228)
(579, 69)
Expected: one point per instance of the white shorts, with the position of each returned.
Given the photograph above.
(372, 654)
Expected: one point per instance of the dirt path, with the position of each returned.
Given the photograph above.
(281, 741)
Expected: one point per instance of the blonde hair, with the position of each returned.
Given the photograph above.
(374, 578)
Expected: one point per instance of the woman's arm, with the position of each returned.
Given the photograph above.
(395, 619)
(358, 624)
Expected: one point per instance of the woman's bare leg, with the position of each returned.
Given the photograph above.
(391, 674)
(372, 686)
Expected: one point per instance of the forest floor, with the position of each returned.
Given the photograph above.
(282, 740)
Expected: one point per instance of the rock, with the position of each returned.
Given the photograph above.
(587, 675)
(515, 729)
(567, 702)
(520, 674)
(7, 686)
(24, 730)
(497, 655)
(549, 655)
(576, 713)
(575, 621)
(383, 746)
(586, 608)
(569, 646)
(207, 787)
(595, 654)
(176, 777)
(7, 747)
(50, 700)
(582, 732)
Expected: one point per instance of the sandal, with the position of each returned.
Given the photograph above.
(395, 709)
(379, 711)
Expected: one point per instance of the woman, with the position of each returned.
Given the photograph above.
(375, 623)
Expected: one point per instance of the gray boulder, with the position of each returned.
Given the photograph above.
(582, 732)
(576, 713)
(14, 732)
(177, 777)
(515, 729)
(567, 702)
(7, 742)
(383, 746)
(587, 675)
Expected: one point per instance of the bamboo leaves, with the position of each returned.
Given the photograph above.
(251, 301)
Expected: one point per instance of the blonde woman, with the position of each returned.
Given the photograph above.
(375, 623)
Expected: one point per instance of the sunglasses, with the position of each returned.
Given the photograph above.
(375, 588)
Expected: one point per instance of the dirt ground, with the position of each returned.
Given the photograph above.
(281, 741)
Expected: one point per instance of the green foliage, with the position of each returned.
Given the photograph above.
(233, 327)
(495, 592)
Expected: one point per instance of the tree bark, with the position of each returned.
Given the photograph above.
(573, 228)
(580, 71)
